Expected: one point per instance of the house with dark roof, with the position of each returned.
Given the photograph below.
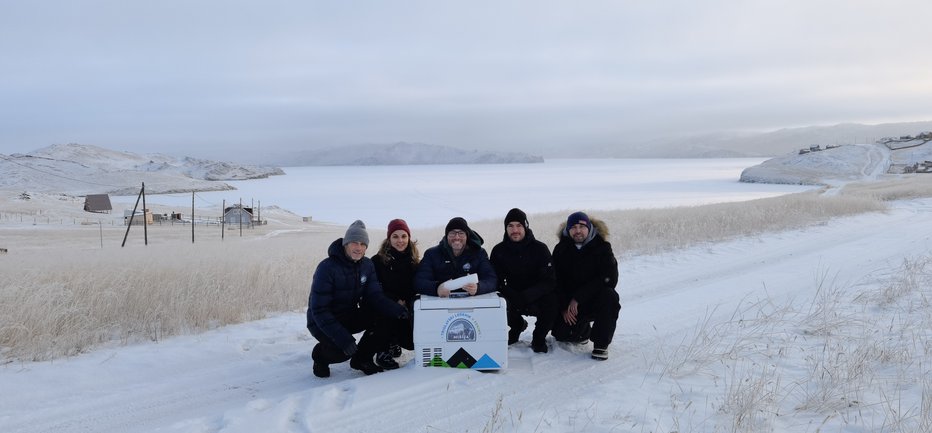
(237, 214)
(99, 203)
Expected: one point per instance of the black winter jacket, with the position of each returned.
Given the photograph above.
(524, 269)
(396, 276)
(337, 290)
(439, 265)
(582, 273)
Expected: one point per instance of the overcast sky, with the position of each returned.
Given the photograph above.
(174, 76)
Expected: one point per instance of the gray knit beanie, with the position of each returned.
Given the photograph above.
(356, 233)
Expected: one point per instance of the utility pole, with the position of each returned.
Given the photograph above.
(135, 207)
(192, 217)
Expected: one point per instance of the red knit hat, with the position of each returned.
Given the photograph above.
(398, 224)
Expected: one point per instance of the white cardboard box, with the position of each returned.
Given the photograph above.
(468, 332)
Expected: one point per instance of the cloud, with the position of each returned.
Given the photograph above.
(480, 74)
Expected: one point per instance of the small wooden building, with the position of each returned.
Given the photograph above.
(141, 217)
(99, 203)
(235, 215)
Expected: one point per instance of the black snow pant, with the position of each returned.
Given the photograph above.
(545, 310)
(400, 331)
(596, 320)
(373, 339)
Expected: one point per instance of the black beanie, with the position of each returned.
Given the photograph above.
(516, 215)
(457, 223)
(578, 218)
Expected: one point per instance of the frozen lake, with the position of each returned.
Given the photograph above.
(429, 195)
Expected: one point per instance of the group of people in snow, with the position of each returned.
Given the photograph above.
(570, 292)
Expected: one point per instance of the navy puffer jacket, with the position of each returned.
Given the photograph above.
(339, 287)
(439, 265)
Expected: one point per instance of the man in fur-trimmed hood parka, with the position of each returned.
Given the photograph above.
(586, 272)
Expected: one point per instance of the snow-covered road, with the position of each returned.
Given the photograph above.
(256, 377)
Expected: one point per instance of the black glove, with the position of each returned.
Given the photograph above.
(404, 314)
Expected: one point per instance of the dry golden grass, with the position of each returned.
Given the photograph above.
(62, 294)
(899, 188)
(648, 231)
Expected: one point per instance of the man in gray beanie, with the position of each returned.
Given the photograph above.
(345, 299)
(356, 233)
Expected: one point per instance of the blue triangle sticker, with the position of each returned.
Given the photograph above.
(485, 362)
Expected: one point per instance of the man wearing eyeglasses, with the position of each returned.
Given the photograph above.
(457, 266)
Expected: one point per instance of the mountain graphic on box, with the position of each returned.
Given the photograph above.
(462, 359)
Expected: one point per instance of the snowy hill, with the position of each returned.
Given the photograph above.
(84, 169)
(842, 163)
(850, 162)
(791, 139)
(402, 154)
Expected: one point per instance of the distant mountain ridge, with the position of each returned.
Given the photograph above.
(757, 144)
(80, 169)
(400, 153)
(83, 169)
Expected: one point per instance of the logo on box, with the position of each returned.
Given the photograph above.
(461, 330)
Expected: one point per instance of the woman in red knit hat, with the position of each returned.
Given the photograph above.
(395, 264)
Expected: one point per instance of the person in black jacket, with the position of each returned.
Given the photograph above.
(587, 273)
(459, 253)
(395, 264)
(526, 280)
(345, 299)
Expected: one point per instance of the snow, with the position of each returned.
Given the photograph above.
(702, 331)
(256, 376)
(841, 164)
(844, 163)
(85, 169)
(453, 189)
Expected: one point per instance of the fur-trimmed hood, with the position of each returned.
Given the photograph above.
(599, 230)
(600, 227)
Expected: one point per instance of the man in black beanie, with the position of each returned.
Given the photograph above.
(526, 280)
(459, 253)
(345, 298)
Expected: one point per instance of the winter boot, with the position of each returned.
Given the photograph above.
(321, 367)
(600, 353)
(515, 332)
(583, 332)
(386, 361)
(365, 365)
(539, 345)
